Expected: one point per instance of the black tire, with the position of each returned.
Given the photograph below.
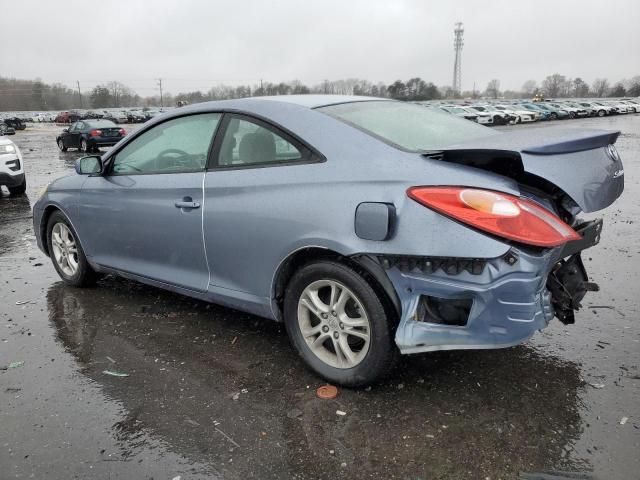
(85, 275)
(61, 145)
(572, 115)
(84, 146)
(382, 353)
(20, 189)
(601, 113)
(554, 116)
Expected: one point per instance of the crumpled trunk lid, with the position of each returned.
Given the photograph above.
(582, 163)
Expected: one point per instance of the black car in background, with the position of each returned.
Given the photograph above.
(89, 135)
(15, 122)
(6, 129)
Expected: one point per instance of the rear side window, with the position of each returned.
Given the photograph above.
(180, 145)
(407, 126)
(248, 142)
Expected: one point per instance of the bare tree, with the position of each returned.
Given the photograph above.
(529, 87)
(553, 84)
(580, 88)
(600, 86)
(493, 88)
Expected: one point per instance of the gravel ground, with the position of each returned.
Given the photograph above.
(214, 393)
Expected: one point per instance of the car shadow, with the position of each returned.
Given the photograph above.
(215, 383)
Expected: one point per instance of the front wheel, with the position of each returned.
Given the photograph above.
(338, 325)
(66, 252)
(61, 145)
(601, 113)
(84, 146)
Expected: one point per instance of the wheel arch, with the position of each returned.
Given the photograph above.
(364, 265)
(44, 221)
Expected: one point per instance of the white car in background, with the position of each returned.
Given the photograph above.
(620, 107)
(11, 167)
(600, 108)
(522, 116)
(499, 118)
(574, 111)
(632, 104)
(483, 118)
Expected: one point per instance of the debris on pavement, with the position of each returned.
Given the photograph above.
(327, 392)
(623, 420)
(23, 302)
(114, 373)
(597, 385)
(341, 413)
(111, 360)
(16, 364)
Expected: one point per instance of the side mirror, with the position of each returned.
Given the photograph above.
(65, 130)
(88, 165)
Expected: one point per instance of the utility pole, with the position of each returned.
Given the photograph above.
(79, 94)
(161, 101)
(457, 65)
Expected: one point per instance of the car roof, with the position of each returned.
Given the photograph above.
(308, 101)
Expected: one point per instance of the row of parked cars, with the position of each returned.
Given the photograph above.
(510, 112)
(115, 116)
(140, 115)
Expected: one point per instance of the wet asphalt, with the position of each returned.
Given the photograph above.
(214, 393)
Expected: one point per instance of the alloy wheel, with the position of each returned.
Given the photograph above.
(334, 323)
(65, 249)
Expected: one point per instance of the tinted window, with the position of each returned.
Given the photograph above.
(178, 145)
(248, 143)
(408, 126)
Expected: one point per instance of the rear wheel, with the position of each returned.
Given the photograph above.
(554, 116)
(66, 253)
(84, 147)
(20, 189)
(601, 113)
(338, 325)
(61, 145)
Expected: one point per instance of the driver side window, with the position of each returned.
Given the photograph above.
(180, 145)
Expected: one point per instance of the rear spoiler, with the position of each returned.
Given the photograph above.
(539, 141)
(575, 144)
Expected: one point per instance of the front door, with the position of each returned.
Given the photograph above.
(72, 138)
(144, 216)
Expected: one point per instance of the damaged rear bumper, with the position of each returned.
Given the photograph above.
(453, 304)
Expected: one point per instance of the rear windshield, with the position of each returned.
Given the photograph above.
(406, 125)
(101, 123)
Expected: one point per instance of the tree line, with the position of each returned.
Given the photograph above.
(26, 95)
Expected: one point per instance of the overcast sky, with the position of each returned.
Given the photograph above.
(195, 44)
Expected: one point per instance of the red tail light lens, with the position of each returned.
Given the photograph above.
(504, 215)
(95, 133)
(122, 132)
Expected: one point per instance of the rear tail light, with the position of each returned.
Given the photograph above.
(122, 132)
(95, 133)
(504, 215)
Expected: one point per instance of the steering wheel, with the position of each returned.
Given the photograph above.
(166, 157)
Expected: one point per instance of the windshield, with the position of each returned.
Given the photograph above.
(410, 127)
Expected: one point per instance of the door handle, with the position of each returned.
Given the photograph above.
(187, 202)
